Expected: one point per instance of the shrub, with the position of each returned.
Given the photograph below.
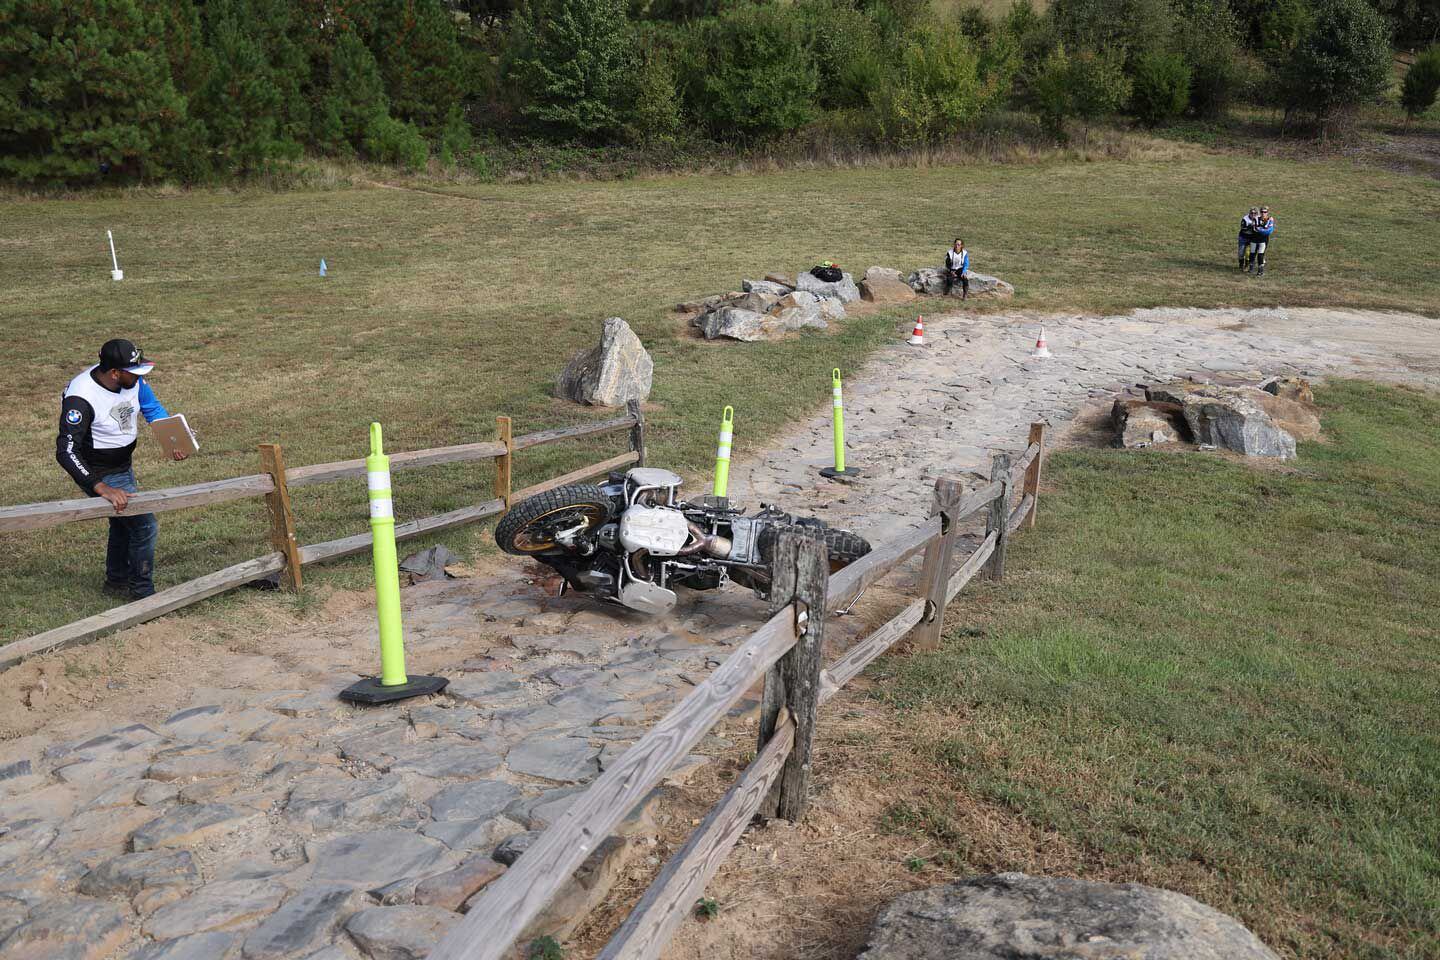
(750, 73)
(849, 62)
(1422, 83)
(1342, 61)
(653, 117)
(389, 140)
(570, 61)
(937, 88)
(1127, 27)
(1098, 85)
(1161, 88)
(1207, 36)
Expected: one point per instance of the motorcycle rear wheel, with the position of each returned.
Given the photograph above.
(531, 525)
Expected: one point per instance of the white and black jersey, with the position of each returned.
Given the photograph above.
(98, 427)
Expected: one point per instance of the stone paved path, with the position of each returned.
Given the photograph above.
(261, 818)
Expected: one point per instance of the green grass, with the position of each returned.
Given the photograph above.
(1222, 679)
(448, 306)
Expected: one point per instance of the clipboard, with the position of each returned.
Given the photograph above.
(175, 435)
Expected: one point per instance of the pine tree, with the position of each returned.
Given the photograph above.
(419, 54)
(83, 90)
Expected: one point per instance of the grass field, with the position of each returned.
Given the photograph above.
(449, 305)
(1217, 679)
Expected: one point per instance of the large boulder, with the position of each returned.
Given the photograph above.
(758, 301)
(1013, 916)
(736, 324)
(1141, 423)
(1235, 418)
(843, 289)
(612, 373)
(883, 285)
(930, 281)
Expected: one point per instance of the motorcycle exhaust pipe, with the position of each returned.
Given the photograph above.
(715, 546)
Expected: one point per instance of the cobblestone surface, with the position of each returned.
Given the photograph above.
(257, 821)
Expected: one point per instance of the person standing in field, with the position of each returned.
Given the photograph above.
(1261, 231)
(99, 414)
(1247, 232)
(957, 268)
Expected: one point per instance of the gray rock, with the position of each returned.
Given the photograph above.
(443, 759)
(564, 760)
(511, 848)
(369, 860)
(885, 289)
(200, 946)
(882, 273)
(736, 324)
(127, 875)
(765, 286)
(1140, 423)
(487, 690)
(68, 929)
(229, 905)
(610, 374)
(930, 281)
(537, 813)
(326, 802)
(191, 823)
(20, 768)
(25, 839)
(757, 301)
(152, 793)
(467, 834)
(481, 799)
(399, 933)
(188, 766)
(1011, 915)
(450, 890)
(1231, 419)
(13, 913)
(844, 288)
(1291, 388)
(306, 922)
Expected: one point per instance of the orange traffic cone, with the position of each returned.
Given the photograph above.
(917, 339)
(1041, 351)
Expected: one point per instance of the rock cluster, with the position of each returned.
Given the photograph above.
(618, 369)
(1010, 915)
(768, 309)
(1248, 420)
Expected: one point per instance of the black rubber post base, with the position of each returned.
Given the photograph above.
(849, 473)
(371, 691)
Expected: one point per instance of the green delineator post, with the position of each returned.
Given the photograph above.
(839, 471)
(392, 684)
(722, 452)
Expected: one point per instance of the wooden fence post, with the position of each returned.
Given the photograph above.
(935, 574)
(998, 522)
(802, 575)
(637, 432)
(1032, 473)
(504, 462)
(282, 521)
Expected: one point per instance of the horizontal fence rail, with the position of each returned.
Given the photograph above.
(290, 556)
(500, 916)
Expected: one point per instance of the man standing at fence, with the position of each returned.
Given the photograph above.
(99, 414)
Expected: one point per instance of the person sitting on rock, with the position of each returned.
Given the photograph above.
(957, 267)
(1263, 228)
(1247, 232)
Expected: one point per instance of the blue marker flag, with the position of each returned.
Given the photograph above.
(322, 266)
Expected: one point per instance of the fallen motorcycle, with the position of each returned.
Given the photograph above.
(632, 540)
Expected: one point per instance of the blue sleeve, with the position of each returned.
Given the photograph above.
(151, 408)
(1266, 231)
(965, 264)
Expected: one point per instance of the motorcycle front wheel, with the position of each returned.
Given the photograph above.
(532, 525)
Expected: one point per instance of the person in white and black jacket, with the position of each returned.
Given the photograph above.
(957, 268)
(99, 414)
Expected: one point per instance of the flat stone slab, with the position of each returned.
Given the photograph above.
(374, 859)
(127, 875)
(478, 800)
(328, 802)
(191, 824)
(444, 760)
(399, 933)
(451, 889)
(306, 922)
(68, 929)
(564, 760)
(200, 946)
(229, 905)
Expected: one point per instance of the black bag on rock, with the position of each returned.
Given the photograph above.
(827, 274)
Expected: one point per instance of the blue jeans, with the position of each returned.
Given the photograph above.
(130, 555)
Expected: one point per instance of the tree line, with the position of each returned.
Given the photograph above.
(194, 91)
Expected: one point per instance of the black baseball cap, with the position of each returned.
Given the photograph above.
(124, 355)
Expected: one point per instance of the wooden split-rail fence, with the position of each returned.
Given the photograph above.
(288, 558)
(786, 652)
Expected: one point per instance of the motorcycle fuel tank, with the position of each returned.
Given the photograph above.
(659, 531)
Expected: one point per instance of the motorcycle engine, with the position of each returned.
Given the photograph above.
(659, 531)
